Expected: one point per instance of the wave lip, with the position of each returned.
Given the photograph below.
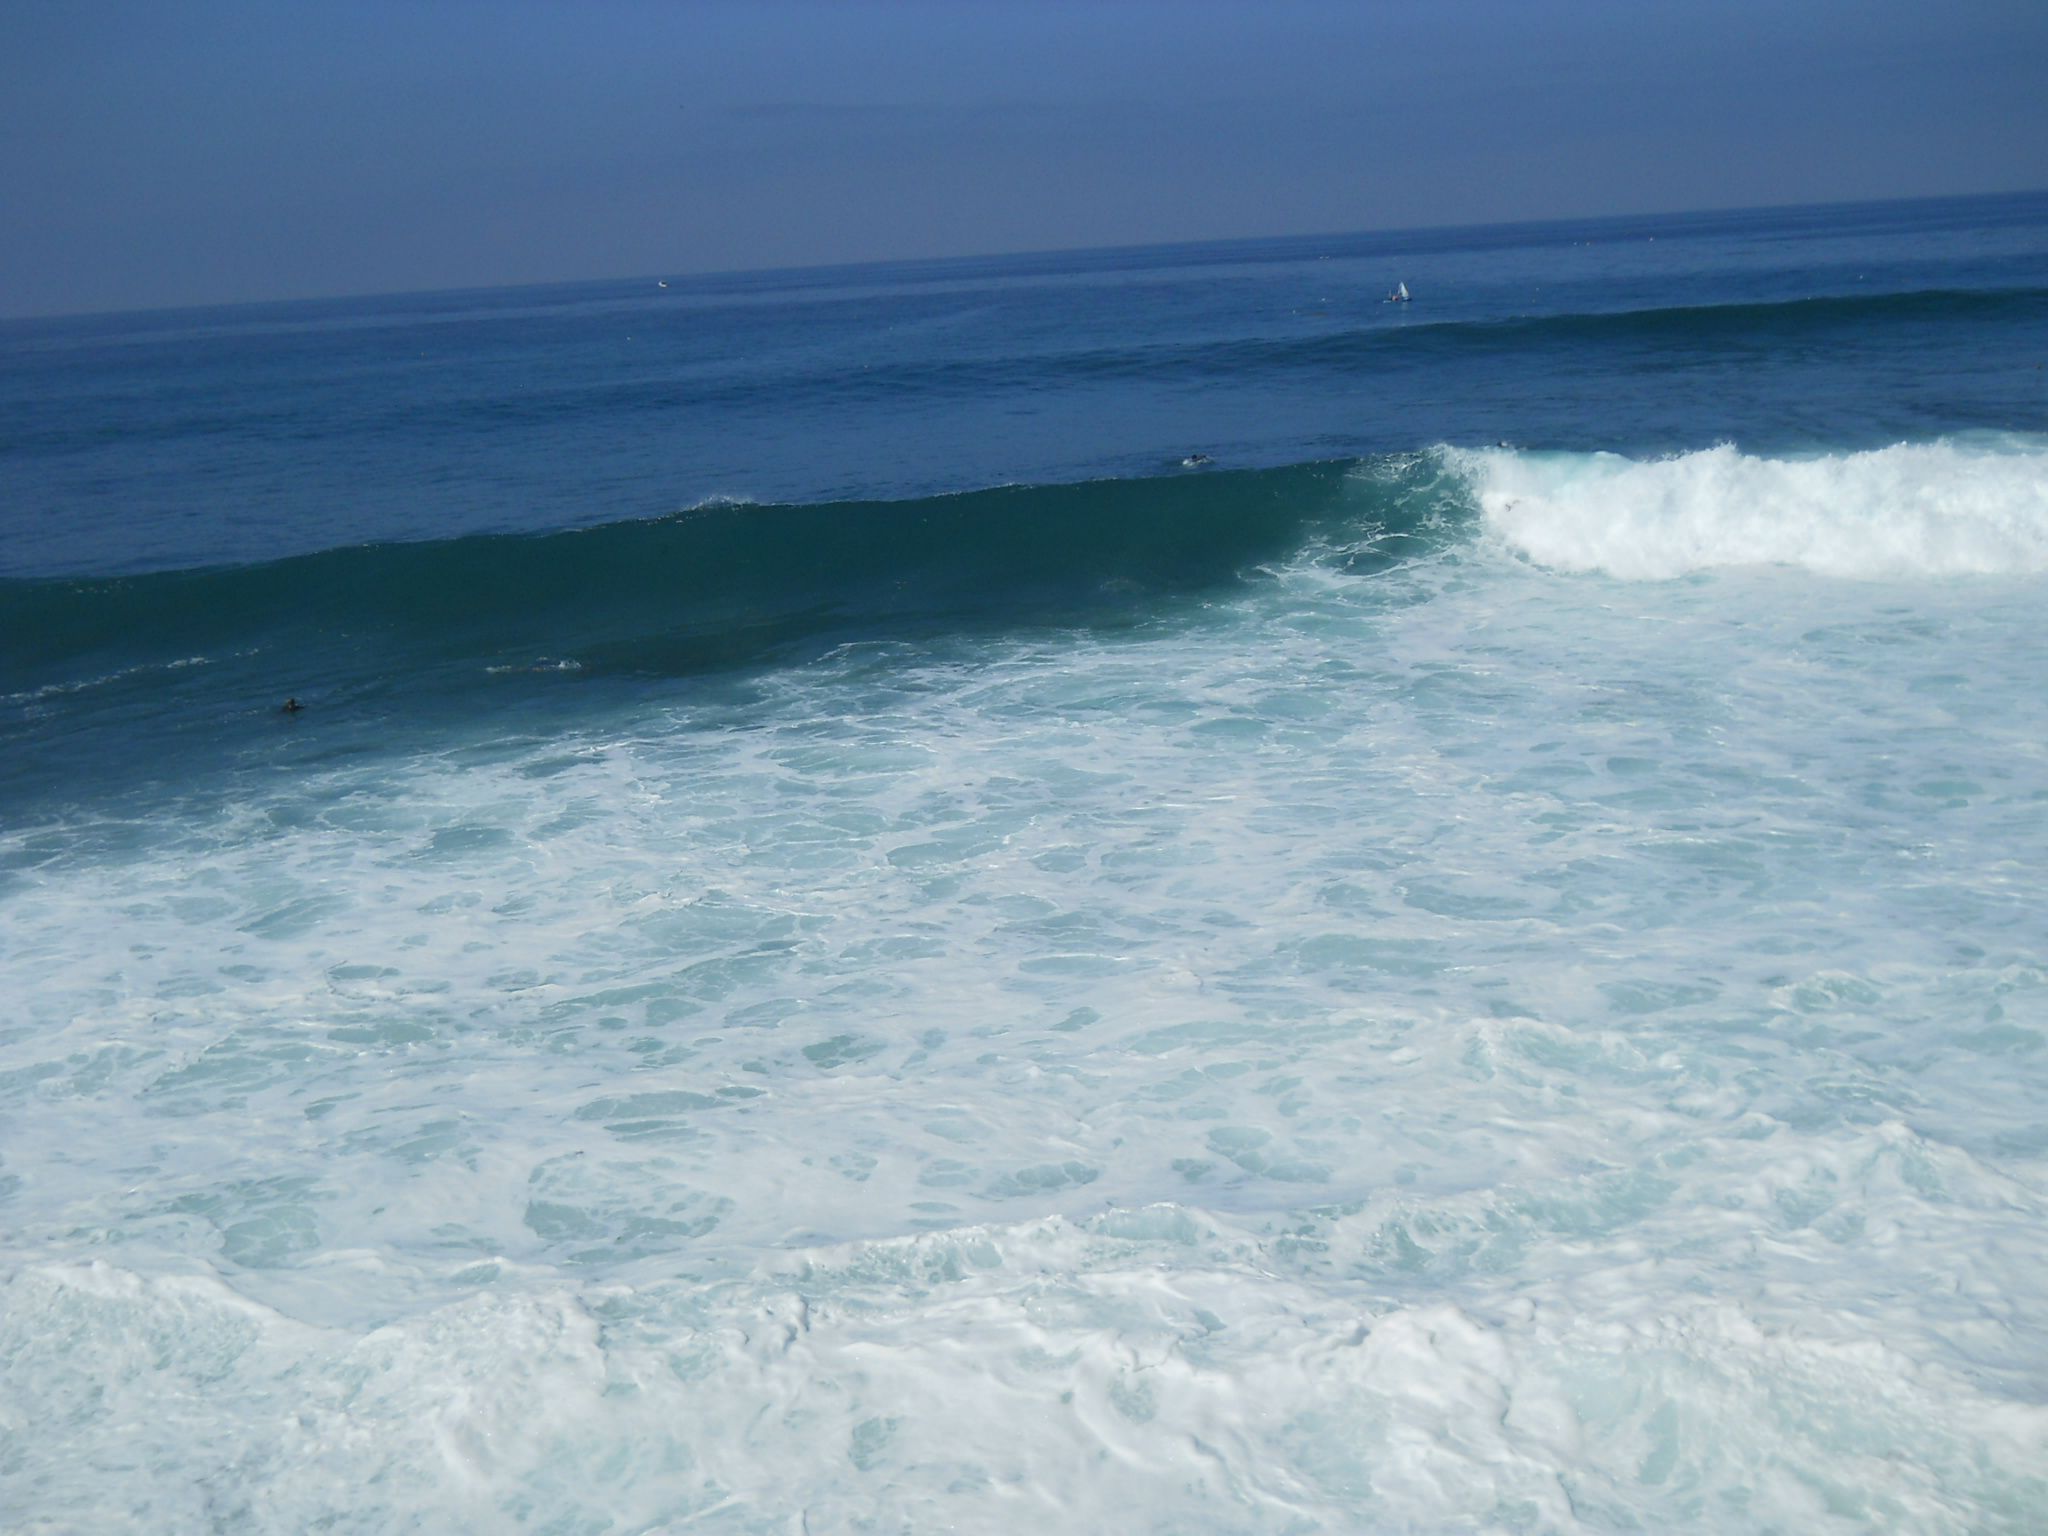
(1944, 508)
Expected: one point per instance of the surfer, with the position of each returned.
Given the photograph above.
(291, 707)
(1194, 461)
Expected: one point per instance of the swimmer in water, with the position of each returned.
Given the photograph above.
(291, 707)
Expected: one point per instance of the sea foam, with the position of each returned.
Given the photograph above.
(1948, 508)
(1452, 1047)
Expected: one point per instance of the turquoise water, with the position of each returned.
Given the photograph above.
(844, 943)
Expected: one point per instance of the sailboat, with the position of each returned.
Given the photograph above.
(1398, 296)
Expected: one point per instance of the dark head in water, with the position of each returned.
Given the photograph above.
(1194, 461)
(292, 707)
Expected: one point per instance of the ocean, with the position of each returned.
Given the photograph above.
(1129, 890)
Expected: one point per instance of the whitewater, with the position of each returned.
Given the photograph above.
(1464, 986)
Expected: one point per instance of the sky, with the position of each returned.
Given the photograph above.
(218, 151)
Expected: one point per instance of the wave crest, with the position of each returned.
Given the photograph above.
(1944, 508)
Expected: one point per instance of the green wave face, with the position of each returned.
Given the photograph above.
(426, 630)
(728, 585)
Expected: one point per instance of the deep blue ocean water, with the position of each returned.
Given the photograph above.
(1122, 888)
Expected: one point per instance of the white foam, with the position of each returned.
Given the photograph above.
(546, 664)
(1450, 1049)
(1914, 509)
(1163, 1369)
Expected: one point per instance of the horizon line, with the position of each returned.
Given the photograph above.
(970, 257)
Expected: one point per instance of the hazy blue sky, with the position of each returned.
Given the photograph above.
(204, 150)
